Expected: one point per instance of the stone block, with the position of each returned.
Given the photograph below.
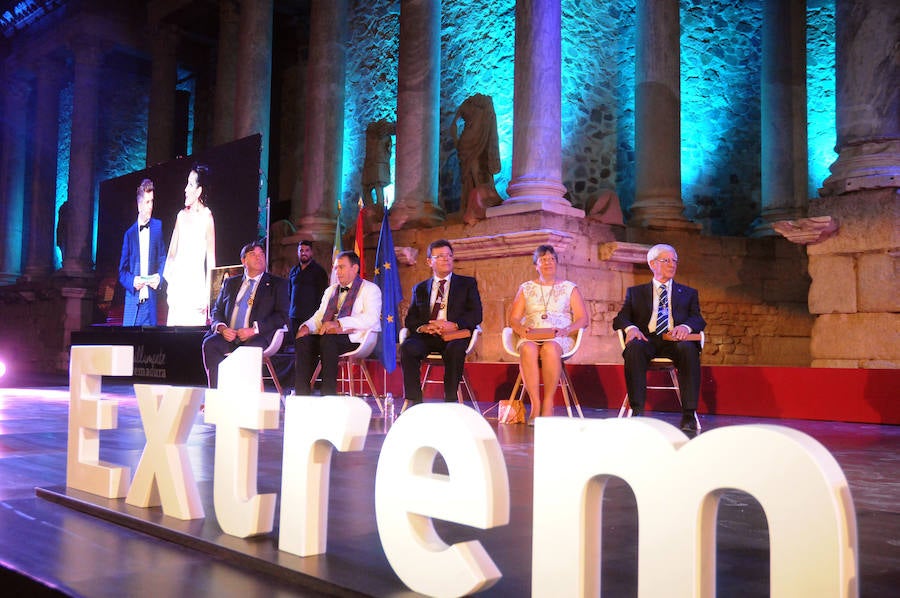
(856, 337)
(782, 351)
(879, 282)
(868, 221)
(833, 288)
(790, 289)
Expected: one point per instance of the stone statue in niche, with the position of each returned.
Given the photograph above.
(376, 174)
(479, 156)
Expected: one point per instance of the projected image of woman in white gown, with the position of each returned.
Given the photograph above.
(192, 254)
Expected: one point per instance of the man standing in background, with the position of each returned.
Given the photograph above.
(308, 283)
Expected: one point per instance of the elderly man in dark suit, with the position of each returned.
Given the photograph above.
(444, 303)
(143, 258)
(249, 309)
(657, 318)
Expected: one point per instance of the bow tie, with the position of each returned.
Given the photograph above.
(143, 226)
(343, 289)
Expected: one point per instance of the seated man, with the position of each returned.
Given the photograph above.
(249, 309)
(348, 309)
(654, 329)
(444, 303)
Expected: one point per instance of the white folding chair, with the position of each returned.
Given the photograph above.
(433, 359)
(355, 359)
(510, 340)
(659, 364)
(268, 352)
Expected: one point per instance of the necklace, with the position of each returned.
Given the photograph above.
(546, 300)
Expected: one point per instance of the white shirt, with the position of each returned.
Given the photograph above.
(144, 243)
(656, 286)
(442, 314)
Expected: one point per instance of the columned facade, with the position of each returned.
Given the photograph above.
(536, 178)
(254, 85)
(315, 210)
(226, 67)
(418, 127)
(867, 96)
(657, 113)
(12, 171)
(783, 111)
(855, 290)
(88, 56)
(40, 253)
(163, 79)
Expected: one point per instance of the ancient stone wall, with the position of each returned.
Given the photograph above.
(753, 292)
(855, 290)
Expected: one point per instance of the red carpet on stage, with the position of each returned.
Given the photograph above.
(827, 394)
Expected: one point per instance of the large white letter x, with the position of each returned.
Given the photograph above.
(164, 472)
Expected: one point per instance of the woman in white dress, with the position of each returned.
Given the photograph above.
(549, 311)
(192, 255)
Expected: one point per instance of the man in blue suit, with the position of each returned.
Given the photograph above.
(657, 318)
(249, 309)
(444, 303)
(143, 258)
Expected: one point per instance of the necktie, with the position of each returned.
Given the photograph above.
(439, 300)
(344, 289)
(662, 312)
(143, 226)
(243, 306)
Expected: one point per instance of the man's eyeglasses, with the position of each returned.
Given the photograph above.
(667, 260)
(443, 256)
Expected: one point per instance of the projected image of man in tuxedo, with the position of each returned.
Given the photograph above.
(143, 259)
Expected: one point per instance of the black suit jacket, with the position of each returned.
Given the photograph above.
(270, 304)
(638, 308)
(463, 303)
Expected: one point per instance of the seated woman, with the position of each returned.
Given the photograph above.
(544, 314)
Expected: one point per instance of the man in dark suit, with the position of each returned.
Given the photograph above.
(444, 303)
(143, 258)
(657, 318)
(249, 309)
(308, 283)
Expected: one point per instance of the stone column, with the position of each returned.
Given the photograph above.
(163, 79)
(418, 115)
(88, 56)
(867, 95)
(855, 290)
(226, 67)
(657, 110)
(315, 211)
(536, 182)
(41, 216)
(784, 144)
(14, 139)
(252, 109)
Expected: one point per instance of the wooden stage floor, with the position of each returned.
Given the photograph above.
(59, 542)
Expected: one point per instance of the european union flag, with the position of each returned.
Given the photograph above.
(387, 277)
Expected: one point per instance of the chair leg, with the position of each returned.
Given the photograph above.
(673, 376)
(271, 369)
(464, 387)
(368, 379)
(571, 391)
(625, 409)
(564, 387)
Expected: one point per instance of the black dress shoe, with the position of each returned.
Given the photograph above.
(689, 425)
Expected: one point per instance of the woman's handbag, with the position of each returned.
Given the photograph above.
(512, 411)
